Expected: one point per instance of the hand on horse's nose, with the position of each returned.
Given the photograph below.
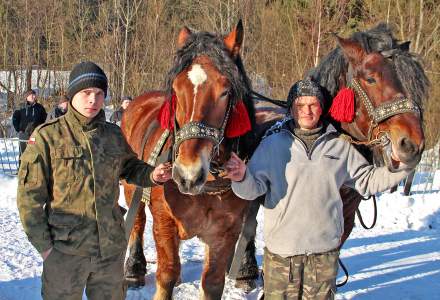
(235, 168)
(162, 173)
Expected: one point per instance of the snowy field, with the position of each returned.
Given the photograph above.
(398, 259)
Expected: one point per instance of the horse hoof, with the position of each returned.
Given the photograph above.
(135, 282)
(246, 285)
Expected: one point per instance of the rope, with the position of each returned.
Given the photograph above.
(345, 272)
(358, 213)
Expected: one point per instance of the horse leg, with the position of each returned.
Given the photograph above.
(247, 273)
(136, 265)
(350, 200)
(217, 255)
(167, 248)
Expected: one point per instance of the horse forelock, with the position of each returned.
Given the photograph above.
(380, 38)
(212, 46)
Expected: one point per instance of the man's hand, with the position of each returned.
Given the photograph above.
(46, 253)
(235, 167)
(162, 173)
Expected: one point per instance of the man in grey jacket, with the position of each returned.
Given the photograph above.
(303, 221)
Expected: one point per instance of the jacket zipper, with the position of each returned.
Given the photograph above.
(308, 152)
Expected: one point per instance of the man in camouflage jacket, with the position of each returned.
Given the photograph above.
(68, 193)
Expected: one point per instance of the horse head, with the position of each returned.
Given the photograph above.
(389, 88)
(208, 84)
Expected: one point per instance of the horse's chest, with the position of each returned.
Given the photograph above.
(201, 214)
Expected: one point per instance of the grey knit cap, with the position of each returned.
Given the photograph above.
(305, 87)
(86, 75)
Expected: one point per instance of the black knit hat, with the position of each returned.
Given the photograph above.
(85, 75)
(305, 87)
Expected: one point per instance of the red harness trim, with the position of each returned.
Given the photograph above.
(342, 109)
(238, 123)
(167, 112)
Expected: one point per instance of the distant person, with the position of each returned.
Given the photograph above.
(28, 117)
(59, 110)
(116, 117)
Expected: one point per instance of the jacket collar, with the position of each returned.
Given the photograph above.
(86, 124)
(328, 127)
(28, 104)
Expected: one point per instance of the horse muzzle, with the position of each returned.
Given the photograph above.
(190, 179)
(404, 154)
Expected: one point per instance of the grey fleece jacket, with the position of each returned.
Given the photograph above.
(303, 207)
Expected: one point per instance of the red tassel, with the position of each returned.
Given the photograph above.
(239, 122)
(342, 109)
(167, 112)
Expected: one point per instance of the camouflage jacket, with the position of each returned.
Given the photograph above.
(69, 185)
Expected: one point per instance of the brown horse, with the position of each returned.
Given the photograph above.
(205, 89)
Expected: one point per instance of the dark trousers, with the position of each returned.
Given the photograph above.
(65, 276)
(22, 145)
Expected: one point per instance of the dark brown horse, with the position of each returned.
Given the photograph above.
(205, 88)
(390, 88)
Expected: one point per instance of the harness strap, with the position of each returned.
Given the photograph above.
(139, 191)
(386, 110)
(152, 160)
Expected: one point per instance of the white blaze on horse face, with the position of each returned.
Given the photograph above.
(197, 76)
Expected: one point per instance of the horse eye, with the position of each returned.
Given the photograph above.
(371, 80)
(224, 94)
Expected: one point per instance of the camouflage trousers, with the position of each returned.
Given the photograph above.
(310, 276)
(65, 277)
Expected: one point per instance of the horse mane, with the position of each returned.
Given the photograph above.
(380, 38)
(212, 45)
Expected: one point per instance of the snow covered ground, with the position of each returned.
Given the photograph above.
(398, 259)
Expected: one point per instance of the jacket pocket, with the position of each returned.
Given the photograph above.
(68, 174)
(62, 224)
(69, 163)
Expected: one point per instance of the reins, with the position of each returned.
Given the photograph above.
(257, 96)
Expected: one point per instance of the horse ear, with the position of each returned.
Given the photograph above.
(353, 51)
(234, 39)
(183, 36)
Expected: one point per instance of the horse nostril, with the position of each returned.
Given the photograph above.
(182, 181)
(200, 179)
(407, 146)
